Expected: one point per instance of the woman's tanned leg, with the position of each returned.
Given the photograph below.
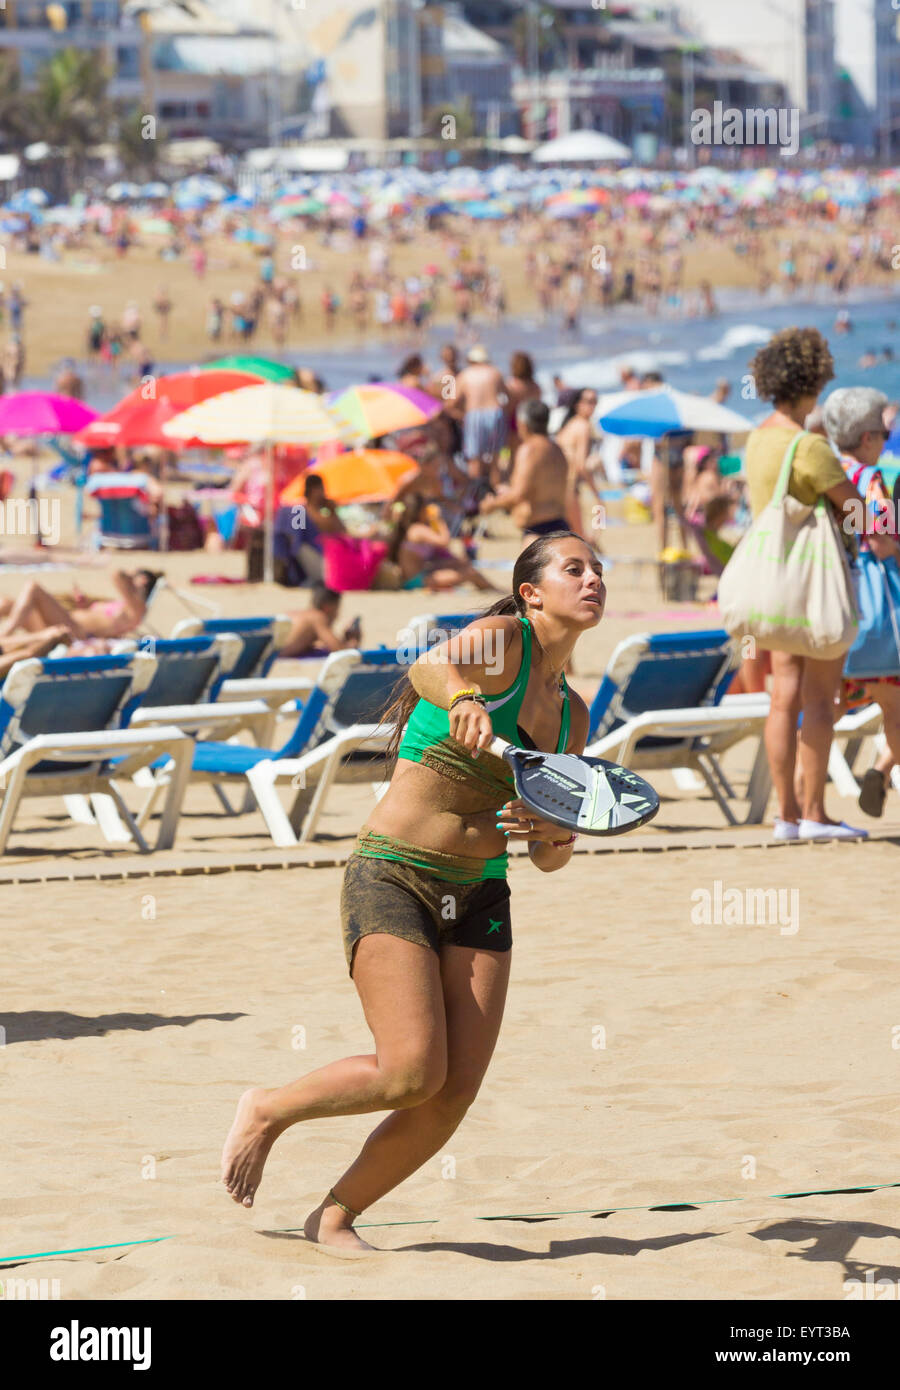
(399, 985)
(819, 688)
(474, 984)
(34, 610)
(781, 730)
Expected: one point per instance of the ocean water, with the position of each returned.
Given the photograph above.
(691, 353)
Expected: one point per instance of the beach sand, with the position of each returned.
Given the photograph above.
(646, 1059)
(737, 1062)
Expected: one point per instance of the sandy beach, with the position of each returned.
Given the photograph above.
(648, 1058)
(138, 1011)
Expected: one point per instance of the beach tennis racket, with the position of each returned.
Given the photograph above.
(587, 795)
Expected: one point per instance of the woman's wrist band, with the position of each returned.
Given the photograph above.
(558, 844)
(469, 694)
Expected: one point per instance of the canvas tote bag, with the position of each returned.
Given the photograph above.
(788, 582)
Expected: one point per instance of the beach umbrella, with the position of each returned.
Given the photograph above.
(262, 367)
(201, 185)
(581, 146)
(265, 414)
(139, 417)
(42, 412)
(28, 198)
(64, 216)
(156, 189)
(302, 207)
(381, 407)
(119, 192)
(30, 413)
(154, 226)
(579, 197)
(362, 475)
(655, 413)
(569, 211)
(487, 211)
(254, 236)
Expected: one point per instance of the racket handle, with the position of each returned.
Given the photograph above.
(498, 747)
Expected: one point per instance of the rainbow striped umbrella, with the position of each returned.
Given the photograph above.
(579, 197)
(382, 407)
(263, 367)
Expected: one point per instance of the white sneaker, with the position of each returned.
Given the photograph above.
(785, 829)
(815, 830)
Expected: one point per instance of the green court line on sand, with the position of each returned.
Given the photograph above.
(84, 1249)
(520, 1216)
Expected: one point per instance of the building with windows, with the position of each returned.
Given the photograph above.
(33, 30)
(791, 40)
(610, 68)
(886, 116)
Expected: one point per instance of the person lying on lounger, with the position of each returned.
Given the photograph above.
(82, 617)
(27, 644)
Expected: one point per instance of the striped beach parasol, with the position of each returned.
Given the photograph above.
(268, 414)
(262, 367)
(382, 407)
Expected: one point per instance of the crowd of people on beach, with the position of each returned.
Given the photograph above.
(394, 277)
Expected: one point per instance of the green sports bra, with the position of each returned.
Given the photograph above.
(427, 737)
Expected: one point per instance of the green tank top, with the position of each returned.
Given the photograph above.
(427, 740)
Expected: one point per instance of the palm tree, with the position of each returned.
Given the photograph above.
(73, 110)
(137, 155)
(16, 105)
(463, 121)
(550, 38)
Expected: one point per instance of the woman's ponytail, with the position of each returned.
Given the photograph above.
(528, 569)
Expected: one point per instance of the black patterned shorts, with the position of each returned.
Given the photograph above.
(383, 895)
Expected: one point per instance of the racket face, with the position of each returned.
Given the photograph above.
(588, 795)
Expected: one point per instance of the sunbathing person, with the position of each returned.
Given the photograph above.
(23, 645)
(420, 547)
(312, 629)
(81, 617)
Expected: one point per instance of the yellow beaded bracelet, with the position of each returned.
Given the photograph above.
(465, 695)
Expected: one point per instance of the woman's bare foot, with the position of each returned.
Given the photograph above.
(247, 1147)
(329, 1225)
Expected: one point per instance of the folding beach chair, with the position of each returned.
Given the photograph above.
(337, 737)
(190, 673)
(661, 704)
(125, 511)
(64, 730)
(426, 630)
(849, 734)
(262, 639)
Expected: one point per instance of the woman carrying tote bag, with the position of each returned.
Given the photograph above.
(791, 371)
(854, 419)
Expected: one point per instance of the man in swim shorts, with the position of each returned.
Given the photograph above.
(481, 394)
(535, 496)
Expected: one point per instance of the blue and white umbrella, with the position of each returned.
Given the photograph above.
(652, 414)
(123, 192)
(28, 198)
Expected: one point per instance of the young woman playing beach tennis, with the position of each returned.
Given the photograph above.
(425, 901)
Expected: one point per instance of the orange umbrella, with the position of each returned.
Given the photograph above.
(362, 475)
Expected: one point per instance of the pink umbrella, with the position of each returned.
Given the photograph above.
(41, 412)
